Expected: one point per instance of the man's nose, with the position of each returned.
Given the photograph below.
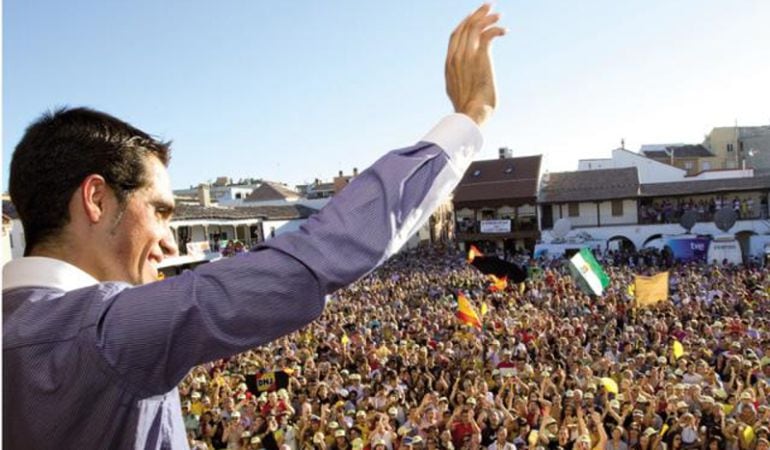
(168, 245)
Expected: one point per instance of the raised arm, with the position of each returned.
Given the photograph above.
(150, 336)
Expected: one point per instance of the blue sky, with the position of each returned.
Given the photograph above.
(293, 91)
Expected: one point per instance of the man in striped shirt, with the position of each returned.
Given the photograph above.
(93, 351)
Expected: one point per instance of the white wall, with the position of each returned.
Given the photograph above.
(594, 164)
(197, 234)
(316, 203)
(638, 234)
(587, 216)
(717, 175)
(630, 213)
(18, 240)
(5, 245)
(650, 171)
(280, 202)
(281, 226)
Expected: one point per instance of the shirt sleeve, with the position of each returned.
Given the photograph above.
(150, 336)
(374, 216)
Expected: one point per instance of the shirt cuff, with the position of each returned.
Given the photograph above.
(458, 136)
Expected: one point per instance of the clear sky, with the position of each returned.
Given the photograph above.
(297, 90)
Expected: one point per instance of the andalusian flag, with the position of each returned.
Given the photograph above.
(466, 313)
(473, 253)
(498, 284)
(588, 273)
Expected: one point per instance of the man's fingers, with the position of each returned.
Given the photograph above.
(459, 36)
(454, 38)
(462, 37)
(483, 23)
(474, 40)
(480, 12)
(489, 34)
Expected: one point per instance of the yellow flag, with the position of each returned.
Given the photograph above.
(345, 339)
(748, 435)
(610, 385)
(677, 349)
(650, 290)
(484, 309)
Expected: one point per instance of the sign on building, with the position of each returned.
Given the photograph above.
(496, 226)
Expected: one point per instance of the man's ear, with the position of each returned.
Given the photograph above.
(93, 195)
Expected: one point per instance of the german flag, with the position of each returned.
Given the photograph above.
(498, 284)
(473, 253)
(466, 313)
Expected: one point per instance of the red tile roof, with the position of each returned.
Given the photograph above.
(497, 182)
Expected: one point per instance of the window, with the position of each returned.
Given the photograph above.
(238, 195)
(705, 165)
(617, 208)
(729, 147)
(688, 165)
(573, 209)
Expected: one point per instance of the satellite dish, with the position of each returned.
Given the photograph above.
(688, 219)
(561, 228)
(724, 219)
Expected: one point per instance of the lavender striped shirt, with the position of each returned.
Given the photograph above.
(95, 365)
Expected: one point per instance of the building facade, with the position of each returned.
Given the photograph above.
(739, 147)
(616, 208)
(495, 204)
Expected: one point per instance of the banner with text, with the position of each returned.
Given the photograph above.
(496, 226)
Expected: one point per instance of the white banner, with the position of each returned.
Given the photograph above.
(495, 226)
(198, 248)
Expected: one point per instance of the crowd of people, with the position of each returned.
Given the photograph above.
(389, 366)
(671, 210)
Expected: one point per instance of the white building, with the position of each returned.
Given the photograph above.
(631, 201)
(13, 241)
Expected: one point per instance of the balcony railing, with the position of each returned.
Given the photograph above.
(671, 214)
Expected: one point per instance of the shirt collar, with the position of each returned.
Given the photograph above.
(38, 271)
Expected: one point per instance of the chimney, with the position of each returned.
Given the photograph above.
(505, 153)
(204, 195)
(355, 171)
(340, 173)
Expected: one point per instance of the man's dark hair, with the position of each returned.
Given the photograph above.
(62, 148)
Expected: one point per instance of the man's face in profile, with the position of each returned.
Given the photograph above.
(139, 236)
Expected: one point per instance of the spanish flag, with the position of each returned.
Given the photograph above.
(473, 253)
(498, 284)
(466, 313)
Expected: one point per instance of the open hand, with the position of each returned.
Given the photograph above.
(470, 80)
